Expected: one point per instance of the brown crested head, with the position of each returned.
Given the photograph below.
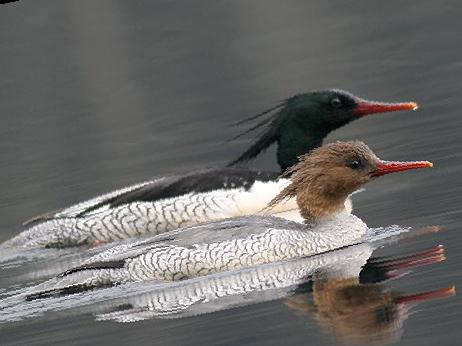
(324, 178)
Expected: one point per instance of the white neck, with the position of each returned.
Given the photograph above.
(333, 232)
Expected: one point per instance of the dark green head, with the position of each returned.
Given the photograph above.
(300, 123)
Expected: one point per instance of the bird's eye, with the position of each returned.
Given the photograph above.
(336, 102)
(354, 164)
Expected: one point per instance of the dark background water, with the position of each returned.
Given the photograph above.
(95, 95)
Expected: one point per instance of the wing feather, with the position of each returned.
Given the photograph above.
(163, 188)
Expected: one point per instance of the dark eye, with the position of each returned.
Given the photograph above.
(354, 164)
(336, 102)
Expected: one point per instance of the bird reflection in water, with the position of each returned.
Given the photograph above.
(357, 310)
(342, 290)
(339, 289)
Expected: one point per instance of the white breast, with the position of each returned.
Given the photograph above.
(256, 199)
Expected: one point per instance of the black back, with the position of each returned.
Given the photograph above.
(196, 182)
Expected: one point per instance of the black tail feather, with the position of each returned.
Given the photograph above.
(65, 291)
(86, 279)
(96, 265)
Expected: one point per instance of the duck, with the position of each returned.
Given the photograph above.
(332, 274)
(298, 125)
(293, 282)
(320, 183)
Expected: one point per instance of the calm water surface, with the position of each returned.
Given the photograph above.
(97, 95)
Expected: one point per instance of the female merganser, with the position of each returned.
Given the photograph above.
(320, 183)
(333, 274)
(294, 280)
(329, 274)
(167, 203)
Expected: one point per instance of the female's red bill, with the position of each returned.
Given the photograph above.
(387, 167)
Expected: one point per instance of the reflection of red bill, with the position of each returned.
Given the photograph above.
(424, 253)
(410, 263)
(419, 297)
(398, 267)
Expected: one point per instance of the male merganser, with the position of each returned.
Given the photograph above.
(167, 203)
(320, 183)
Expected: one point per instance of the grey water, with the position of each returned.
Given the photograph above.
(99, 95)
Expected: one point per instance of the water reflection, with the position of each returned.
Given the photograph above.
(342, 290)
(358, 309)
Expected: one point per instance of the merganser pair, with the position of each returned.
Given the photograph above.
(164, 204)
(320, 183)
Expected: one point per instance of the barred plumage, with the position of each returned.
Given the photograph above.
(210, 248)
(155, 207)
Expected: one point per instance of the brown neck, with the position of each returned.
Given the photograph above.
(321, 183)
(314, 207)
